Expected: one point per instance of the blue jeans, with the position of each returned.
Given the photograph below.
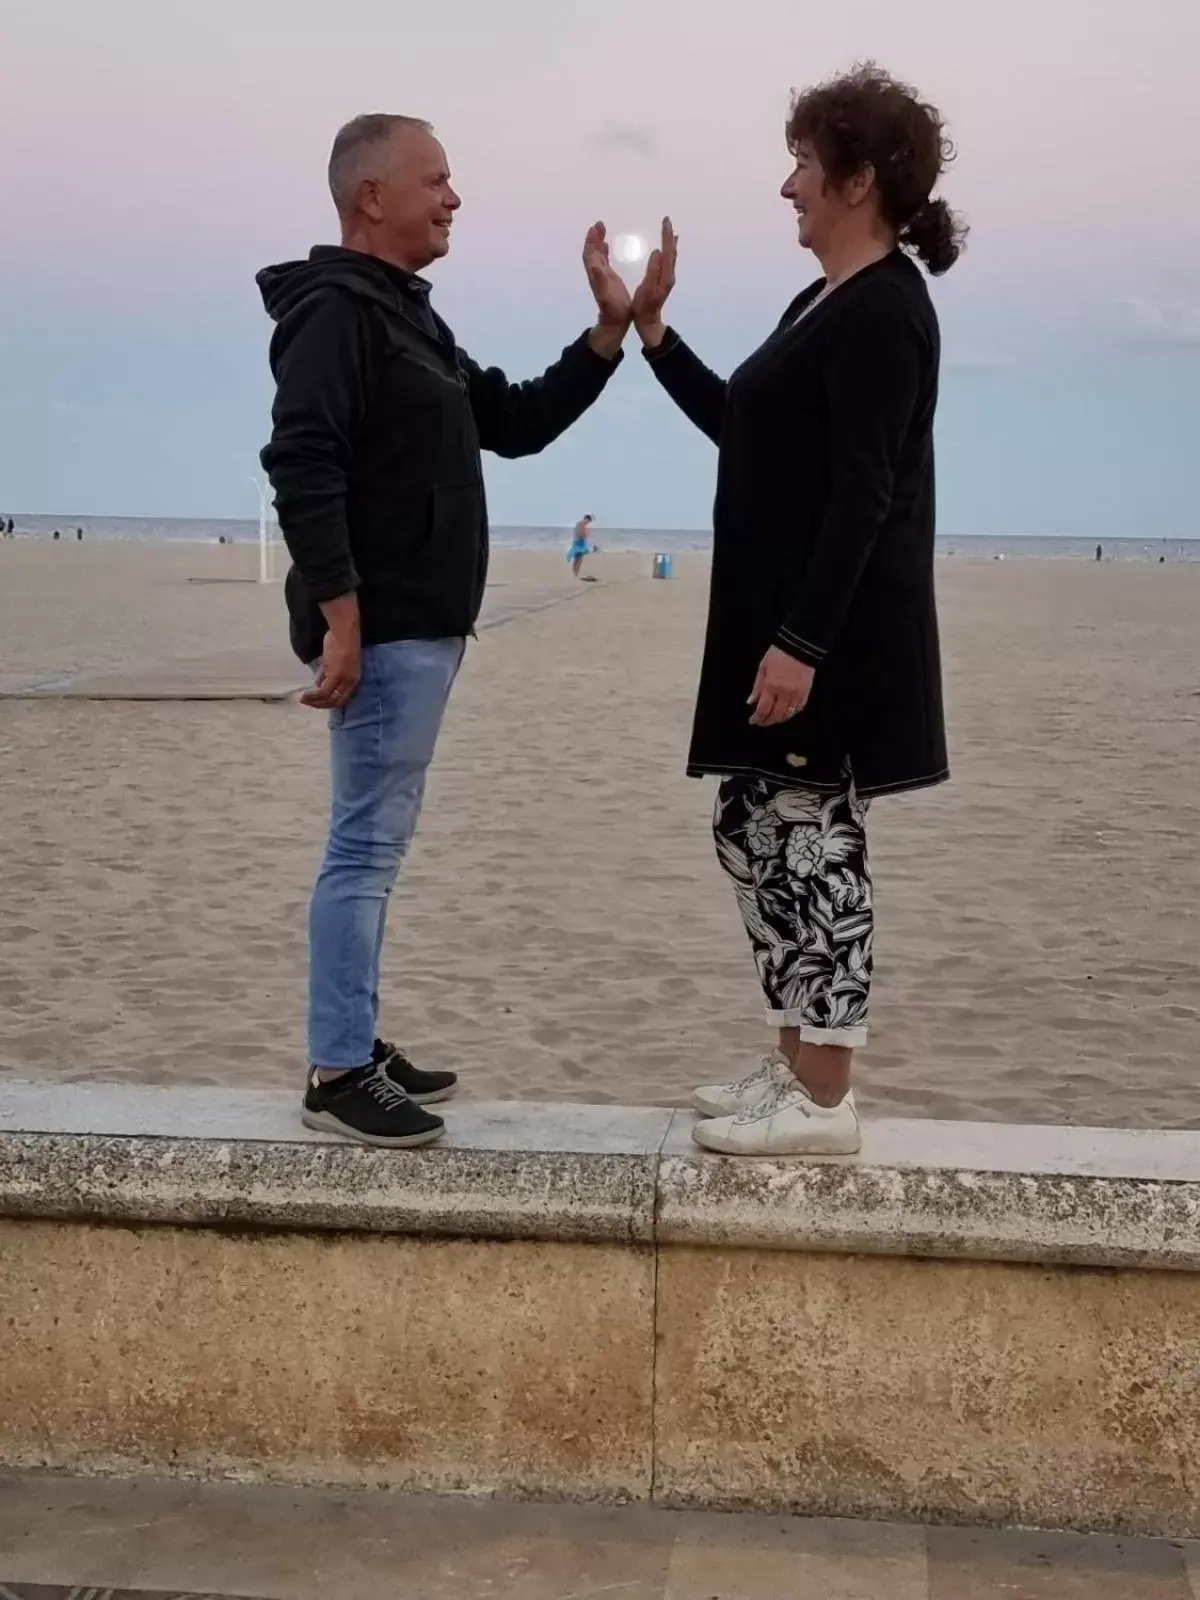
(381, 745)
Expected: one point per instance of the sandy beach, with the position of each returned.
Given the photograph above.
(563, 931)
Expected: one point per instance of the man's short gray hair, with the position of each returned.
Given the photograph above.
(356, 143)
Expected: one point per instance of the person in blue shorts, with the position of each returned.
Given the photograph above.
(581, 545)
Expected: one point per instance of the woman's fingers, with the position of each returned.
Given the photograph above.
(648, 291)
(670, 245)
(772, 702)
(762, 699)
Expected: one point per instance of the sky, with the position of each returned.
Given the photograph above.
(155, 153)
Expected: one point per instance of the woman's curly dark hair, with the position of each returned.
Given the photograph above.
(867, 118)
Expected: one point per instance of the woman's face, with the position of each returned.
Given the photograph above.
(819, 205)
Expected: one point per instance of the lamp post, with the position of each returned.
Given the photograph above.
(263, 498)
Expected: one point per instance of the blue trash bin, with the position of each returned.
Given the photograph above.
(662, 564)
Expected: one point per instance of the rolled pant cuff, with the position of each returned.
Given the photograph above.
(847, 1038)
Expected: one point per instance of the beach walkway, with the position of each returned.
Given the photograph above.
(71, 1539)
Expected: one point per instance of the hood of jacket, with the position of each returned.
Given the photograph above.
(286, 286)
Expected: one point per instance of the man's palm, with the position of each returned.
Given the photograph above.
(608, 287)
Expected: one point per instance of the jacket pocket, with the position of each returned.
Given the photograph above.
(454, 555)
(457, 517)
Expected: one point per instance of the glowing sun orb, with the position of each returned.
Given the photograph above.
(629, 249)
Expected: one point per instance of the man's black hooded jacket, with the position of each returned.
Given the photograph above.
(379, 420)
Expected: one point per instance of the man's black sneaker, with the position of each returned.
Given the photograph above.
(366, 1106)
(419, 1085)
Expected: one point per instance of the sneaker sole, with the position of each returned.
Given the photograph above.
(713, 1108)
(433, 1097)
(777, 1155)
(324, 1122)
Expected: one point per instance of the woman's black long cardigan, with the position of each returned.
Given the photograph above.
(823, 536)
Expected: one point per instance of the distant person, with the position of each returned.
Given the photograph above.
(10, 527)
(56, 533)
(1099, 552)
(79, 535)
(581, 545)
(820, 685)
(379, 420)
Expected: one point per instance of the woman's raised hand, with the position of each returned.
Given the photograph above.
(651, 294)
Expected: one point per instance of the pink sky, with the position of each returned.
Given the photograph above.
(147, 133)
(153, 155)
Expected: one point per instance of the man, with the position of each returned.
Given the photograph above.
(581, 545)
(379, 421)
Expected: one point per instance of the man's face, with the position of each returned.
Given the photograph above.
(411, 201)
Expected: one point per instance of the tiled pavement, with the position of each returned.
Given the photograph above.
(150, 1540)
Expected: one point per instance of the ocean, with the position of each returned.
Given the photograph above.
(675, 540)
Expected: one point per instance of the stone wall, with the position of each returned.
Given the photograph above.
(967, 1323)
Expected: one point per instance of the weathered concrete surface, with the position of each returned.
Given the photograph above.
(980, 1191)
(436, 1364)
(353, 1342)
(954, 1391)
(508, 1170)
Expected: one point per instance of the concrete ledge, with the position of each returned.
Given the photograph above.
(575, 1301)
(1100, 1197)
(510, 1170)
(518, 1170)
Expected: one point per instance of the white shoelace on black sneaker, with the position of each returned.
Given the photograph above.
(389, 1095)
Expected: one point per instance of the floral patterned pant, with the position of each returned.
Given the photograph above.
(798, 864)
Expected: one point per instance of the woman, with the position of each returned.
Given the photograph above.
(821, 685)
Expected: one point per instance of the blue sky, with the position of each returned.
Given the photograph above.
(153, 157)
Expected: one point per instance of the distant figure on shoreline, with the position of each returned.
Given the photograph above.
(581, 545)
(57, 535)
(1099, 552)
(79, 535)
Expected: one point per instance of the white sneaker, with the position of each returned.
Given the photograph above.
(727, 1099)
(786, 1122)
